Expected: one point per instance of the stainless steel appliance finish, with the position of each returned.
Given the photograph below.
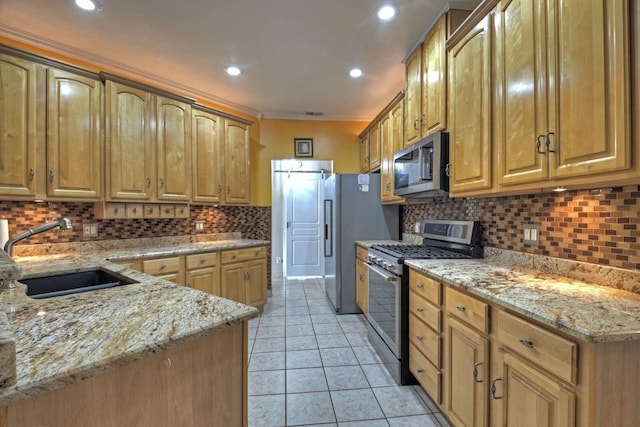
(352, 211)
(420, 170)
(388, 330)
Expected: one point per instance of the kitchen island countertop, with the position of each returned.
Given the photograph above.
(65, 339)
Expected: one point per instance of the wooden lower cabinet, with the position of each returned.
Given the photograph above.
(200, 383)
(362, 279)
(467, 367)
(170, 268)
(243, 276)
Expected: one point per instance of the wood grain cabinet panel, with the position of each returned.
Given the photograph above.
(22, 126)
(173, 150)
(413, 98)
(74, 136)
(374, 147)
(208, 159)
(391, 141)
(243, 275)
(364, 153)
(236, 164)
(434, 79)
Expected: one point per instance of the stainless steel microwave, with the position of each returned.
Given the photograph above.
(420, 170)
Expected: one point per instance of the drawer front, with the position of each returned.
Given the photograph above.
(425, 311)
(182, 211)
(426, 287)
(151, 211)
(425, 339)
(161, 266)
(135, 210)
(115, 210)
(469, 309)
(202, 260)
(167, 211)
(427, 375)
(237, 255)
(546, 349)
(362, 253)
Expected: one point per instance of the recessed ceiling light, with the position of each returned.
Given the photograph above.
(89, 4)
(386, 12)
(233, 71)
(355, 73)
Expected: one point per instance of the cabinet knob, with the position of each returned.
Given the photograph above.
(115, 210)
(219, 189)
(167, 363)
(161, 183)
(420, 286)
(228, 189)
(162, 267)
(461, 308)
(148, 182)
(51, 175)
(420, 370)
(135, 210)
(419, 309)
(526, 343)
(202, 261)
(32, 173)
(419, 338)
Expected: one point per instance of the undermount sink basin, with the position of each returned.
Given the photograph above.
(72, 283)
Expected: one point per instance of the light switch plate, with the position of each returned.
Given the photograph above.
(90, 230)
(199, 226)
(531, 234)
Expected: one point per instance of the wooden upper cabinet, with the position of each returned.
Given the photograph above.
(391, 141)
(236, 163)
(364, 153)
(374, 147)
(562, 84)
(413, 97)
(173, 149)
(591, 88)
(130, 157)
(434, 79)
(470, 96)
(74, 136)
(207, 158)
(21, 125)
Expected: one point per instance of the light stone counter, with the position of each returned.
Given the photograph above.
(65, 339)
(586, 311)
(368, 243)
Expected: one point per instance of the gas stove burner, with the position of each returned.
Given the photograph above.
(418, 252)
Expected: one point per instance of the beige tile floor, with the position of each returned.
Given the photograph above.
(311, 367)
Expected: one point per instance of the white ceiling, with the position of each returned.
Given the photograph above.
(295, 54)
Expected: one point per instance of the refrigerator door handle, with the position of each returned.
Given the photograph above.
(328, 228)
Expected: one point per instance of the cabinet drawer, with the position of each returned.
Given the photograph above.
(362, 253)
(427, 312)
(161, 266)
(426, 287)
(135, 210)
(425, 339)
(429, 377)
(182, 211)
(469, 309)
(167, 211)
(151, 211)
(546, 349)
(115, 210)
(236, 255)
(202, 260)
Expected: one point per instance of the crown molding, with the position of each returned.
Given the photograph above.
(324, 118)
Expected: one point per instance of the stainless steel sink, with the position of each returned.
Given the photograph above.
(72, 283)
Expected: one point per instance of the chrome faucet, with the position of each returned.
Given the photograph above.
(63, 223)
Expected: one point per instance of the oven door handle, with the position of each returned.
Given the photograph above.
(389, 277)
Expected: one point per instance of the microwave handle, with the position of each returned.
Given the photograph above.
(425, 164)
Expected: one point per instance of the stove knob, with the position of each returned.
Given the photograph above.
(388, 265)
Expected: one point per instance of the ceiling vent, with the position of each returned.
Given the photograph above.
(313, 113)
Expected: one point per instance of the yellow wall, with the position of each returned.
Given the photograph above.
(332, 140)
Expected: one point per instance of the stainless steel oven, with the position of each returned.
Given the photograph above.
(385, 296)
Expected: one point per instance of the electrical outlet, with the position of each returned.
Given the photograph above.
(278, 260)
(199, 226)
(417, 228)
(531, 234)
(90, 230)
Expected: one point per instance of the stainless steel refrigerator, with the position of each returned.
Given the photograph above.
(352, 211)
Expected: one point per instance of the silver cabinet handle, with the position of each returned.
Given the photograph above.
(419, 309)
(148, 182)
(161, 183)
(447, 170)
(493, 388)
(419, 338)
(461, 308)
(167, 363)
(420, 286)
(526, 343)
(31, 174)
(548, 142)
(475, 371)
(420, 370)
(538, 144)
(51, 175)
(228, 189)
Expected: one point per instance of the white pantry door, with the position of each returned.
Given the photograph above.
(305, 224)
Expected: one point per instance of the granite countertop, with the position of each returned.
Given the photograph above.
(585, 311)
(368, 243)
(65, 339)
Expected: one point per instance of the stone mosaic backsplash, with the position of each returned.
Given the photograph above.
(599, 228)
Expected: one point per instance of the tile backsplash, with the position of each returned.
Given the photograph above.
(576, 225)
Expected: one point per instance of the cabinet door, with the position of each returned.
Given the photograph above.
(236, 163)
(21, 86)
(204, 279)
(467, 375)
(362, 286)
(413, 97)
(434, 79)
(591, 82)
(207, 158)
(470, 120)
(531, 399)
(173, 149)
(256, 283)
(74, 136)
(364, 153)
(130, 160)
(232, 282)
(521, 97)
(386, 159)
(374, 147)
